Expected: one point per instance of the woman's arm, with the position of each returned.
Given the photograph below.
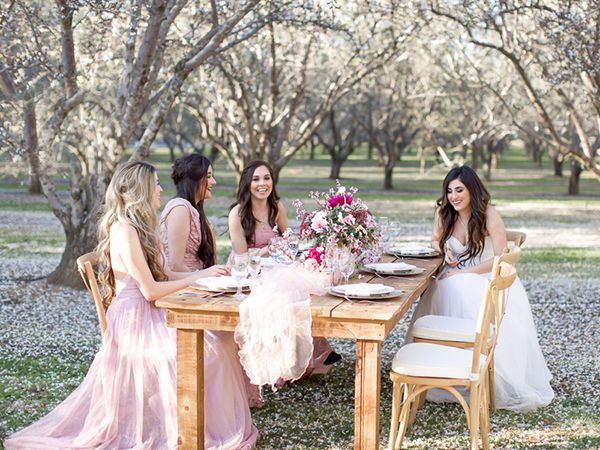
(236, 231)
(130, 253)
(178, 233)
(436, 236)
(282, 220)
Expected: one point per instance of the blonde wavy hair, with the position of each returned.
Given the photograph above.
(128, 200)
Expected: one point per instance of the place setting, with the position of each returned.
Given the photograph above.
(392, 269)
(365, 291)
(412, 251)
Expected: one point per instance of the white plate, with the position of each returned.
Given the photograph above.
(373, 268)
(390, 268)
(221, 284)
(415, 251)
(267, 262)
(362, 289)
(393, 294)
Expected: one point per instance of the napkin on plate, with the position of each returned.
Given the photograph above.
(391, 267)
(364, 289)
(218, 283)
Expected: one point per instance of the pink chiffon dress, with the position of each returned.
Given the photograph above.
(128, 398)
(321, 346)
(227, 422)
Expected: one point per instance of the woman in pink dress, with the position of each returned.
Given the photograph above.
(252, 218)
(128, 398)
(189, 244)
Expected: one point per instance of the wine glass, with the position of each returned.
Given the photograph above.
(394, 231)
(384, 226)
(254, 261)
(279, 250)
(293, 245)
(239, 272)
(346, 261)
(331, 261)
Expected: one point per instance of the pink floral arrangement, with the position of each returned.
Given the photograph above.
(341, 219)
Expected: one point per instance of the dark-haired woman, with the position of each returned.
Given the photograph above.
(257, 210)
(188, 243)
(253, 216)
(470, 232)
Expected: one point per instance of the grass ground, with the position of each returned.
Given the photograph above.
(49, 335)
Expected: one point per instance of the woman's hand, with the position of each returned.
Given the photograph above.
(449, 273)
(214, 271)
(451, 260)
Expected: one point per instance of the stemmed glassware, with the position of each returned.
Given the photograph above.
(254, 261)
(239, 272)
(394, 231)
(346, 261)
(384, 226)
(293, 245)
(279, 250)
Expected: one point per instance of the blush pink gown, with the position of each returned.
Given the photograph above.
(127, 400)
(227, 422)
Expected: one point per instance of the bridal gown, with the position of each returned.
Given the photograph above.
(522, 379)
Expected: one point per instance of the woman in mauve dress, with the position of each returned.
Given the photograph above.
(252, 220)
(189, 244)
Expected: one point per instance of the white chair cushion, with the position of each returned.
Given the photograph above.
(422, 359)
(445, 328)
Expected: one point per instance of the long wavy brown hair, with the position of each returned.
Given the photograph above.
(244, 199)
(128, 200)
(190, 175)
(480, 198)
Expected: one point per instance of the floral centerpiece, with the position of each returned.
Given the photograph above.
(341, 219)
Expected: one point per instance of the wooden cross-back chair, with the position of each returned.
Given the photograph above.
(460, 332)
(420, 366)
(518, 237)
(87, 266)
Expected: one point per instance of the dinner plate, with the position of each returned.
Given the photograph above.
(393, 293)
(399, 268)
(413, 251)
(362, 289)
(221, 284)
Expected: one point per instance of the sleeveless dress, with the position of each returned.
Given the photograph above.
(227, 422)
(522, 379)
(128, 398)
(321, 346)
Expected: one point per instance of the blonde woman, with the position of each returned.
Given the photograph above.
(128, 397)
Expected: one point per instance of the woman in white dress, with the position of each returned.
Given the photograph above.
(470, 232)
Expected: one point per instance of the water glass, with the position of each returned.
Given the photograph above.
(293, 245)
(394, 231)
(254, 261)
(279, 250)
(239, 272)
(346, 261)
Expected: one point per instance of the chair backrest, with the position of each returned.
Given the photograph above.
(491, 313)
(87, 265)
(518, 237)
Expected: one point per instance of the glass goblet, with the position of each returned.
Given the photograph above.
(239, 272)
(346, 263)
(254, 262)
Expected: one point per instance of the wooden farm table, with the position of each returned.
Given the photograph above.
(369, 323)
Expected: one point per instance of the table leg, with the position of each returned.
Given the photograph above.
(367, 387)
(190, 389)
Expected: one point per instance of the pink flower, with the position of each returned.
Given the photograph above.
(315, 253)
(349, 220)
(319, 222)
(339, 199)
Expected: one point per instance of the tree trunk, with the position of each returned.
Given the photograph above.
(576, 170)
(388, 175)
(79, 242)
(422, 160)
(557, 162)
(35, 185)
(336, 167)
(370, 151)
(474, 156)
